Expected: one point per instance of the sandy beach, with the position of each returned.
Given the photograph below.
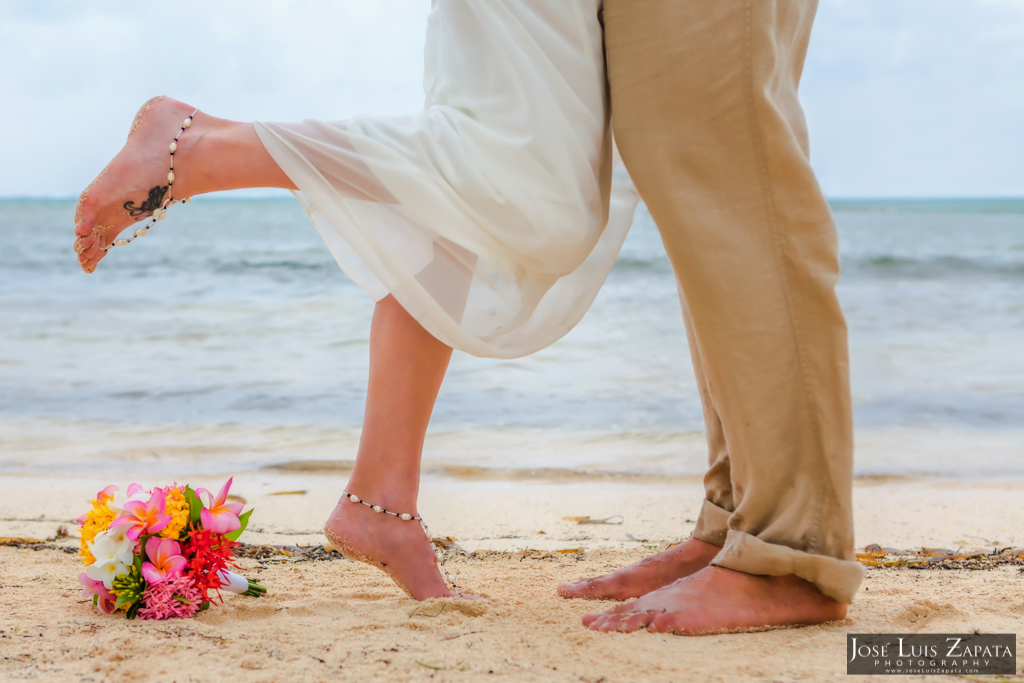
(339, 620)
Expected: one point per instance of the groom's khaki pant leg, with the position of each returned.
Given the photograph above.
(706, 116)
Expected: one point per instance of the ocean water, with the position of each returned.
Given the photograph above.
(230, 339)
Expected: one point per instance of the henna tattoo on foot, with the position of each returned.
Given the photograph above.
(152, 203)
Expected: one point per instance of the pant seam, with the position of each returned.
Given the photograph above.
(768, 198)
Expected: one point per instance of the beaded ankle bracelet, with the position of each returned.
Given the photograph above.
(406, 517)
(160, 197)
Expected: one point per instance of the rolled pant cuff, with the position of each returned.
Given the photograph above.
(838, 579)
(712, 524)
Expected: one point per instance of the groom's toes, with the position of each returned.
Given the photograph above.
(567, 590)
(634, 622)
(577, 589)
(610, 623)
(591, 617)
(669, 622)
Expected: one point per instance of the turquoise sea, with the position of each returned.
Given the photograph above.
(229, 338)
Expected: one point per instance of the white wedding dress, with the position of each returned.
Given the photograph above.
(491, 216)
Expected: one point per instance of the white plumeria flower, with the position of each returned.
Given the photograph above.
(114, 556)
(117, 533)
(121, 497)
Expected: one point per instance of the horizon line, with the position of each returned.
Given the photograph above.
(229, 196)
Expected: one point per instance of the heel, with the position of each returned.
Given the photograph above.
(351, 553)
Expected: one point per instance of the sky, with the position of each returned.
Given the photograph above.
(904, 98)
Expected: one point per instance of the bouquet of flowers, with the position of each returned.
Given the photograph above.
(161, 553)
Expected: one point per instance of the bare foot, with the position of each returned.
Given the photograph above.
(397, 547)
(716, 599)
(121, 194)
(650, 573)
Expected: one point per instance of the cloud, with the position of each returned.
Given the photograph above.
(75, 73)
(915, 97)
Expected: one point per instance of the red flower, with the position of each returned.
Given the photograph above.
(208, 554)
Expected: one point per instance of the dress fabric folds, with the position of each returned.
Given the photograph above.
(492, 215)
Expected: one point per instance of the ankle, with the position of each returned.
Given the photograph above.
(386, 497)
(204, 141)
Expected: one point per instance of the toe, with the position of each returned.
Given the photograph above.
(85, 218)
(84, 241)
(667, 622)
(577, 589)
(636, 621)
(84, 227)
(610, 623)
(90, 252)
(90, 261)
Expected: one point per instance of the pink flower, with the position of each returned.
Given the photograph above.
(166, 562)
(219, 516)
(108, 492)
(164, 600)
(142, 518)
(106, 598)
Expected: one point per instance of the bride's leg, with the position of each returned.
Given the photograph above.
(212, 155)
(407, 366)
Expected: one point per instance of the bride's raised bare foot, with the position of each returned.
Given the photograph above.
(135, 182)
(650, 573)
(396, 546)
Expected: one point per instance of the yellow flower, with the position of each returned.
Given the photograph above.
(176, 507)
(96, 520)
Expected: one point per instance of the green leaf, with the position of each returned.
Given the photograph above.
(195, 506)
(204, 606)
(133, 610)
(244, 519)
(122, 600)
(182, 600)
(95, 600)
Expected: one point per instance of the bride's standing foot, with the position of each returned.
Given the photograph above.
(397, 547)
(407, 366)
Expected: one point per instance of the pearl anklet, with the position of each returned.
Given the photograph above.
(406, 517)
(160, 197)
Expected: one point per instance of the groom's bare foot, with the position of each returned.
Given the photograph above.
(399, 548)
(139, 169)
(650, 573)
(716, 599)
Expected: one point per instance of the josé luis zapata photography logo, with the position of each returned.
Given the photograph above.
(931, 653)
